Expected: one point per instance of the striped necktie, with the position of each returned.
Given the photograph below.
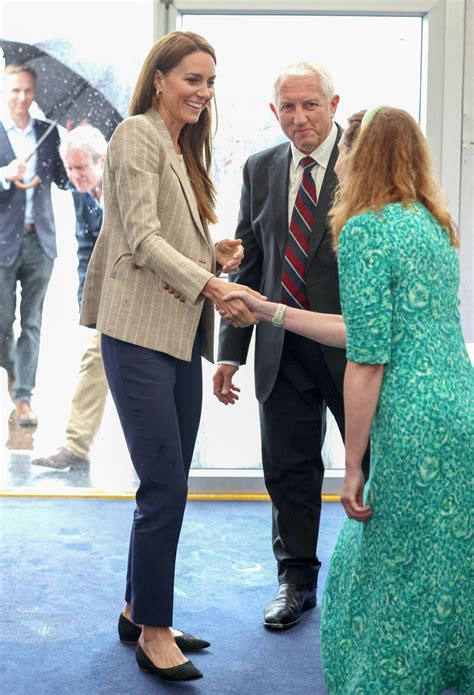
(293, 280)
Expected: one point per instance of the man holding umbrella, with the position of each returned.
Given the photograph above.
(29, 164)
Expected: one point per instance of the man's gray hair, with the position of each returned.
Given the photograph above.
(86, 138)
(306, 69)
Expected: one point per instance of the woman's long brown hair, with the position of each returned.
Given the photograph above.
(389, 162)
(195, 139)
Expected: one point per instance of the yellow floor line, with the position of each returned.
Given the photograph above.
(95, 494)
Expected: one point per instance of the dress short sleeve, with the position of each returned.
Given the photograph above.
(365, 288)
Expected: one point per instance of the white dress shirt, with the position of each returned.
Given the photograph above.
(22, 142)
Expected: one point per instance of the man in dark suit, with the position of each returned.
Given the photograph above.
(286, 196)
(27, 232)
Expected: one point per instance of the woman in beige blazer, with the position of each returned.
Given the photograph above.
(150, 288)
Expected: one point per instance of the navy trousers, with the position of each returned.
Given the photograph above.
(158, 400)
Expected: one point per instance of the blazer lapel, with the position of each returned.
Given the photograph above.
(278, 188)
(187, 190)
(6, 150)
(178, 170)
(324, 201)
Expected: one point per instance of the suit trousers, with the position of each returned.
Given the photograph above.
(292, 422)
(88, 400)
(158, 399)
(32, 269)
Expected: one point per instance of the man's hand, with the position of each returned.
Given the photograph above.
(14, 171)
(224, 389)
(229, 254)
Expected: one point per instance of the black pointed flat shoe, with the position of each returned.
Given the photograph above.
(183, 672)
(129, 633)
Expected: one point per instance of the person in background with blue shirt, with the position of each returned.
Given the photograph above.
(83, 152)
(29, 164)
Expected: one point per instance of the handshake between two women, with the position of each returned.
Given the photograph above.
(240, 306)
(231, 299)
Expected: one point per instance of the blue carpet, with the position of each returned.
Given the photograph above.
(63, 566)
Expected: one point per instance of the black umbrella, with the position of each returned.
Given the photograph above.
(70, 88)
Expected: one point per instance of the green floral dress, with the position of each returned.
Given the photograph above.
(396, 609)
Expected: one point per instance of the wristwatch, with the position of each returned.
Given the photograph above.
(279, 315)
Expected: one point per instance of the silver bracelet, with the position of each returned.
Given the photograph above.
(279, 315)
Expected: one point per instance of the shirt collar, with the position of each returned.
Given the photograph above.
(321, 154)
(9, 124)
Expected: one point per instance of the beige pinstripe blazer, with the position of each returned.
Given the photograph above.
(152, 239)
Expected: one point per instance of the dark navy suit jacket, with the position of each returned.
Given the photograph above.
(263, 228)
(12, 201)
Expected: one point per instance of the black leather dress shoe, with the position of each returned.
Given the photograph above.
(285, 609)
(183, 672)
(129, 632)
